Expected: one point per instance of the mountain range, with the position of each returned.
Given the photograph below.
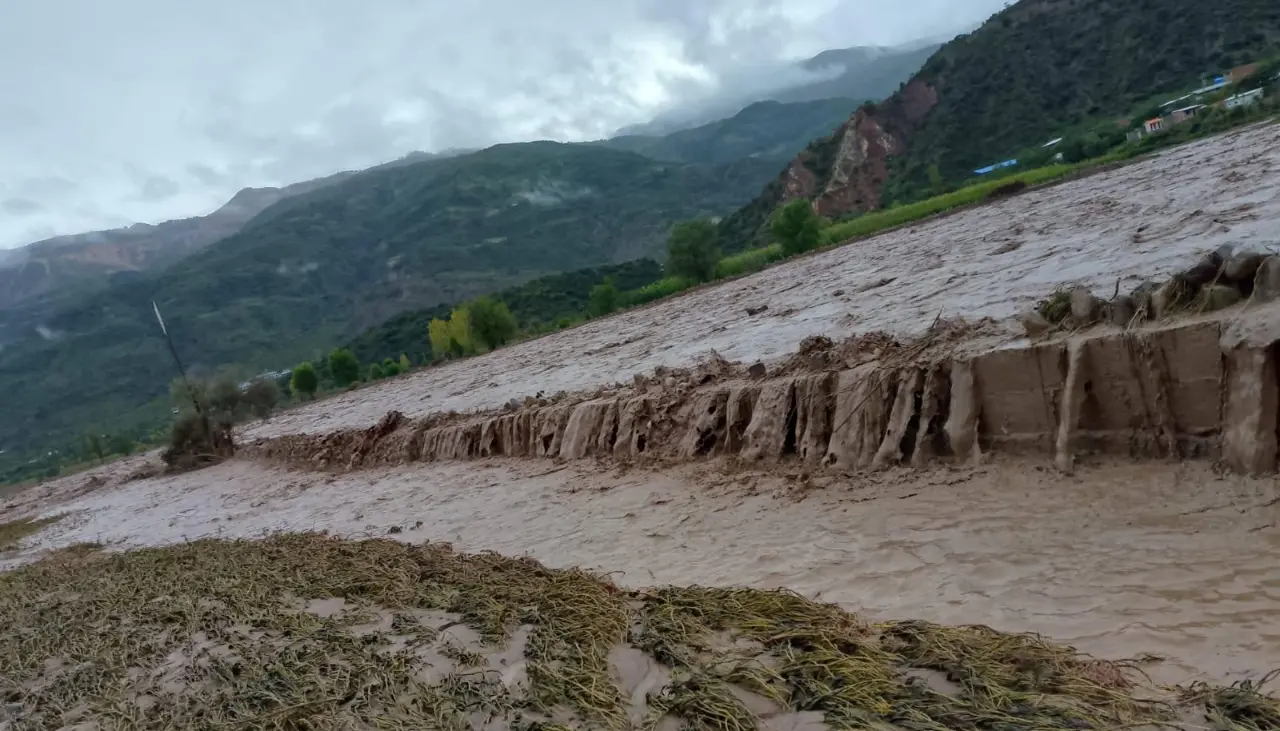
(771, 125)
(322, 265)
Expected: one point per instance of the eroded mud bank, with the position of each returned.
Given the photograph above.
(1195, 389)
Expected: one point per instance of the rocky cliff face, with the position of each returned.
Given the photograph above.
(845, 171)
(850, 179)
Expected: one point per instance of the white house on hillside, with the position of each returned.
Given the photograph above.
(1248, 98)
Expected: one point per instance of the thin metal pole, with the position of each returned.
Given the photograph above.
(191, 391)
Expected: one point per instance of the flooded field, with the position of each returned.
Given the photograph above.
(1157, 558)
(1139, 221)
(1121, 559)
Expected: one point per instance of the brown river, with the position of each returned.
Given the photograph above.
(1120, 560)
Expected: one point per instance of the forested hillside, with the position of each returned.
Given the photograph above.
(1041, 65)
(319, 268)
(1031, 71)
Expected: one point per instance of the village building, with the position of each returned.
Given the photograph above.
(1246, 99)
(1179, 116)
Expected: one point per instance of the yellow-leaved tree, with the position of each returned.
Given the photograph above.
(460, 332)
(438, 332)
(452, 337)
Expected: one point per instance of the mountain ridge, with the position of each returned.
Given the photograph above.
(37, 278)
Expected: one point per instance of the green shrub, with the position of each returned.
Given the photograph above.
(262, 397)
(199, 438)
(344, 367)
(304, 381)
(604, 298)
(692, 250)
(375, 372)
(664, 287)
(492, 324)
(94, 447)
(796, 227)
(749, 261)
(121, 444)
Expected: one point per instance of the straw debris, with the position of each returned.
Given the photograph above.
(315, 632)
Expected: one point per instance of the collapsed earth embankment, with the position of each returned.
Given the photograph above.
(1202, 387)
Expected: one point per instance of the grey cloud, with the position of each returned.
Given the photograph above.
(158, 188)
(45, 186)
(205, 175)
(48, 334)
(19, 206)
(101, 122)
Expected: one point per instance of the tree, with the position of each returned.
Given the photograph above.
(344, 367)
(304, 381)
(375, 372)
(692, 250)
(121, 444)
(441, 337)
(93, 445)
(604, 298)
(405, 365)
(390, 368)
(796, 227)
(491, 322)
(452, 337)
(262, 396)
(460, 341)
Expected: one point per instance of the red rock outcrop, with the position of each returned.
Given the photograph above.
(851, 181)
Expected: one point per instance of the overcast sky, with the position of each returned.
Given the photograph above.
(115, 111)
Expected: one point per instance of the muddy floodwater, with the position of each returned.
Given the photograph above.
(1143, 220)
(1122, 559)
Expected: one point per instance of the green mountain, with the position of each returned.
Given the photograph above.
(315, 269)
(38, 278)
(768, 130)
(1030, 71)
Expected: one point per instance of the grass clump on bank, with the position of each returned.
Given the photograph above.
(310, 631)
